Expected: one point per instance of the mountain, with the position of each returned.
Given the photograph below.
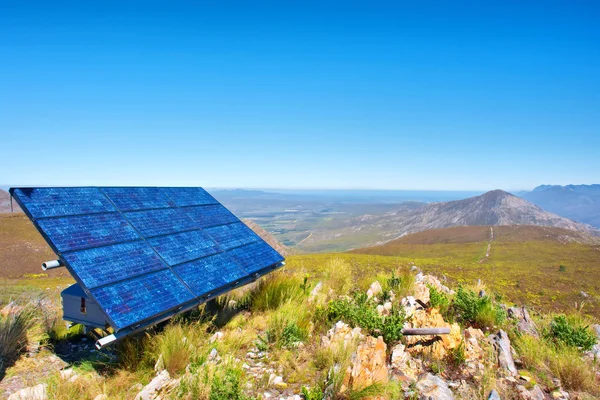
(493, 208)
(5, 203)
(577, 202)
(267, 237)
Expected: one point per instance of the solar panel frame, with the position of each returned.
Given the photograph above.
(204, 199)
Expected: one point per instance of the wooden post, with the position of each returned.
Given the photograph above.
(425, 331)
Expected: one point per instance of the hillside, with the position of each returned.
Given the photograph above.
(267, 237)
(577, 202)
(494, 208)
(5, 203)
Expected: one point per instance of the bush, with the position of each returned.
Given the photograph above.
(470, 308)
(227, 386)
(288, 325)
(362, 312)
(438, 299)
(314, 393)
(571, 332)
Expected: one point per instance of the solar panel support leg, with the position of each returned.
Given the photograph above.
(52, 264)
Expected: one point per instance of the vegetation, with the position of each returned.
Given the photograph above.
(571, 331)
(14, 329)
(481, 311)
(362, 312)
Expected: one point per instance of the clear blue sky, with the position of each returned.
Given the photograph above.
(388, 95)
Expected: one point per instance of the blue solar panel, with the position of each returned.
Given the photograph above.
(58, 202)
(255, 256)
(182, 247)
(210, 273)
(129, 302)
(183, 197)
(210, 215)
(138, 198)
(86, 231)
(141, 252)
(232, 235)
(160, 222)
(103, 265)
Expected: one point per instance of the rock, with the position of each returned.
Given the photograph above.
(231, 304)
(217, 337)
(482, 293)
(494, 395)
(410, 305)
(419, 277)
(533, 394)
(436, 347)
(504, 353)
(403, 365)
(421, 292)
(524, 322)
(213, 355)
(315, 291)
(435, 282)
(369, 364)
(151, 390)
(341, 332)
(277, 381)
(160, 364)
(374, 289)
(101, 397)
(432, 387)
(37, 392)
(475, 356)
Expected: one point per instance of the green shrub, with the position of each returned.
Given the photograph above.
(438, 299)
(562, 268)
(227, 386)
(470, 308)
(288, 325)
(457, 355)
(314, 393)
(273, 291)
(570, 332)
(362, 312)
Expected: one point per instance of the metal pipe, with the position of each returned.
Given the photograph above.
(52, 264)
(106, 340)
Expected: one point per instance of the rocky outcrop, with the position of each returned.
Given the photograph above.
(161, 382)
(369, 364)
(341, 332)
(37, 392)
(432, 387)
(435, 346)
(524, 322)
(403, 366)
(504, 352)
(474, 355)
(374, 289)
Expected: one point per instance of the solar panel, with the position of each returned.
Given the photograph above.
(143, 253)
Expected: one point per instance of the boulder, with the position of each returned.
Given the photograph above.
(474, 355)
(421, 292)
(494, 395)
(435, 282)
(37, 392)
(341, 332)
(435, 346)
(410, 305)
(503, 349)
(404, 366)
(151, 390)
(432, 387)
(524, 322)
(369, 364)
(533, 394)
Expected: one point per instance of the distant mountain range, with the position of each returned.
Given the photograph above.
(577, 202)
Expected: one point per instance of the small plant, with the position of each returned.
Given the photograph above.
(562, 268)
(13, 334)
(314, 393)
(362, 312)
(571, 332)
(227, 386)
(394, 281)
(305, 286)
(481, 311)
(292, 334)
(262, 343)
(438, 299)
(457, 355)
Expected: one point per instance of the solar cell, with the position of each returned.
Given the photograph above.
(210, 273)
(131, 301)
(189, 196)
(143, 252)
(182, 247)
(104, 265)
(59, 202)
(138, 198)
(210, 215)
(151, 223)
(255, 256)
(86, 231)
(232, 235)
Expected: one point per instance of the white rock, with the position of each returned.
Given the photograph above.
(214, 355)
(101, 396)
(37, 392)
(160, 364)
(504, 351)
(432, 387)
(217, 337)
(150, 391)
